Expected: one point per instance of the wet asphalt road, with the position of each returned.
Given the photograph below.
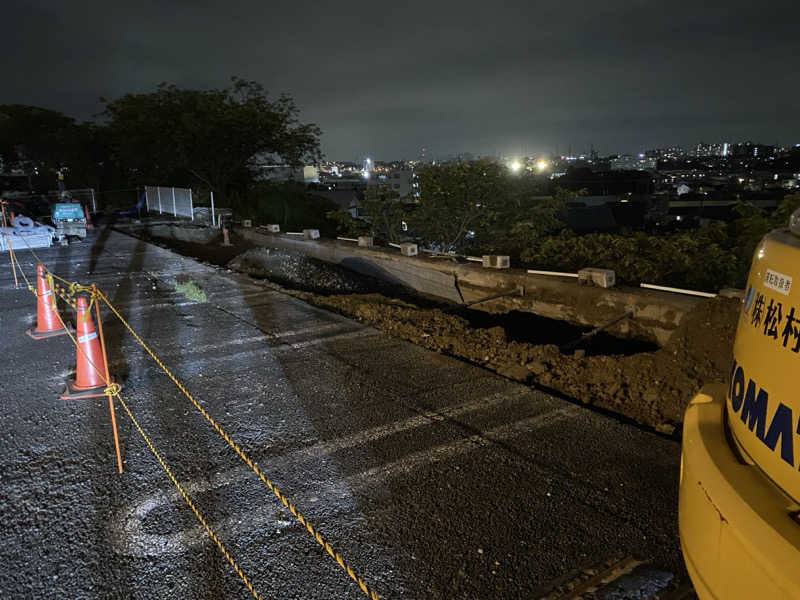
(433, 478)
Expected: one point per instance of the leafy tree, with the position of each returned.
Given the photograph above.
(689, 259)
(456, 198)
(346, 225)
(207, 135)
(746, 230)
(41, 141)
(790, 203)
(525, 219)
(287, 203)
(382, 209)
(381, 215)
(33, 135)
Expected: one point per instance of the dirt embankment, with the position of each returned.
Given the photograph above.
(652, 388)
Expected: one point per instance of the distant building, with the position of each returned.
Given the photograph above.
(306, 174)
(670, 153)
(400, 181)
(703, 149)
(348, 199)
(628, 162)
(751, 150)
(604, 183)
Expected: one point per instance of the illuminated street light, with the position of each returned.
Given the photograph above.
(515, 166)
(541, 165)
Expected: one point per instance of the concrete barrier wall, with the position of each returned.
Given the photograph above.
(657, 314)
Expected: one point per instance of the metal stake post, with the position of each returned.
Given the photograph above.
(107, 377)
(213, 221)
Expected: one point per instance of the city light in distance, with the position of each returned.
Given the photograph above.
(542, 164)
(515, 166)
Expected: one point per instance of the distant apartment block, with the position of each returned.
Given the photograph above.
(628, 162)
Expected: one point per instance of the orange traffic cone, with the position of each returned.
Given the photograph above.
(47, 321)
(90, 370)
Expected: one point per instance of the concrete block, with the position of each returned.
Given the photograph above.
(310, 234)
(494, 261)
(21, 239)
(605, 278)
(247, 223)
(274, 228)
(408, 249)
(365, 241)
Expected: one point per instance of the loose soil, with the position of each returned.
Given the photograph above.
(652, 388)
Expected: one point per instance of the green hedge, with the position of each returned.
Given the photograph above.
(706, 258)
(689, 260)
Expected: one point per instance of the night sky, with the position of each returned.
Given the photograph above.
(386, 79)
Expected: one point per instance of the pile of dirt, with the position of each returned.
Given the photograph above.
(652, 388)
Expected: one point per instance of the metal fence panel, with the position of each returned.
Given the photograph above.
(169, 200)
(182, 202)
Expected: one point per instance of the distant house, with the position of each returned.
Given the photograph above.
(348, 199)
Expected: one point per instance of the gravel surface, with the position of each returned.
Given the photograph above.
(299, 271)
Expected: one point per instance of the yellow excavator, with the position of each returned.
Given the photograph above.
(739, 507)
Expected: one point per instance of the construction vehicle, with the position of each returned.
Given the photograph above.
(68, 216)
(69, 220)
(739, 507)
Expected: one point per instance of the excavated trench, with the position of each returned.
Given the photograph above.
(632, 378)
(529, 328)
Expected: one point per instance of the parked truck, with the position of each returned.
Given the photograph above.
(739, 507)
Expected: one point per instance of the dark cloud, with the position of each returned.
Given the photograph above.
(386, 79)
